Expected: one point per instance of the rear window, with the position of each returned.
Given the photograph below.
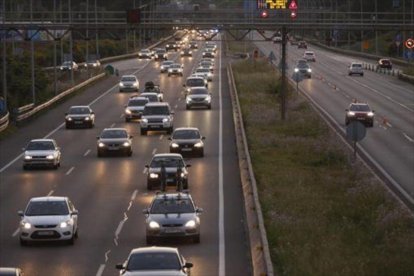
(156, 110)
(195, 82)
(357, 65)
(153, 261)
(359, 107)
(128, 79)
(137, 102)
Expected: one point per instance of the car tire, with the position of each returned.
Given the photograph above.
(362, 74)
(71, 241)
(201, 154)
(129, 153)
(99, 154)
(371, 124)
(150, 240)
(196, 239)
(127, 120)
(25, 167)
(149, 186)
(91, 125)
(23, 242)
(209, 107)
(56, 166)
(143, 131)
(170, 130)
(185, 184)
(76, 235)
(346, 122)
(187, 107)
(67, 126)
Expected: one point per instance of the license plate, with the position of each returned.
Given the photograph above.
(172, 230)
(155, 126)
(78, 122)
(45, 233)
(113, 148)
(187, 149)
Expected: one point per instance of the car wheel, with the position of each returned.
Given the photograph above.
(362, 74)
(130, 153)
(55, 166)
(349, 74)
(76, 235)
(127, 120)
(170, 130)
(25, 167)
(67, 126)
(185, 184)
(149, 186)
(187, 107)
(99, 154)
(23, 242)
(91, 125)
(346, 122)
(201, 153)
(143, 131)
(150, 240)
(71, 241)
(209, 106)
(196, 239)
(371, 124)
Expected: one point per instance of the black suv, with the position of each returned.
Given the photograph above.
(187, 140)
(359, 112)
(172, 46)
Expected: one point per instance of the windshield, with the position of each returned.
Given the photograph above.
(172, 205)
(68, 63)
(357, 65)
(359, 107)
(41, 145)
(157, 162)
(128, 79)
(198, 92)
(175, 66)
(114, 133)
(309, 54)
(195, 82)
(47, 208)
(157, 110)
(79, 110)
(153, 261)
(202, 70)
(137, 102)
(145, 51)
(186, 134)
(160, 51)
(166, 63)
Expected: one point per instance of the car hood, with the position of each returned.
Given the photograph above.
(39, 152)
(197, 96)
(155, 273)
(172, 218)
(111, 140)
(186, 141)
(139, 108)
(46, 220)
(167, 169)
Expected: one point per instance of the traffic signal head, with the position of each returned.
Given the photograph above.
(264, 14)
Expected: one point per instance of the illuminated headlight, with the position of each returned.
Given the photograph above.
(26, 225)
(190, 224)
(135, 84)
(127, 111)
(87, 118)
(61, 68)
(350, 113)
(144, 120)
(208, 98)
(182, 175)
(101, 145)
(126, 144)
(162, 67)
(154, 225)
(50, 157)
(121, 84)
(188, 100)
(174, 145)
(370, 114)
(94, 65)
(198, 145)
(309, 70)
(165, 120)
(153, 175)
(69, 118)
(65, 223)
(170, 70)
(296, 70)
(182, 52)
(28, 157)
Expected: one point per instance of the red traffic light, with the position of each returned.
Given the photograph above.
(264, 14)
(293, 14)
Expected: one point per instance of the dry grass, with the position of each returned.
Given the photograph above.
(323, 214)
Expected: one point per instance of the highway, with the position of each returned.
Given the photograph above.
(390, 143)
(110, 193)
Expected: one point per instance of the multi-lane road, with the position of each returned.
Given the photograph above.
(390, 143)
(110, 193)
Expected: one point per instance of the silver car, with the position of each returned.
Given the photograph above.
(154, 260)
(135, 108)
(205, 72)
(198, 97)
(129, 83)
(172, 215)
(114, 140)
(356, 68)
(41, 153)
(80, 115)
(157, 117)
(48, 218)
(175, 69)
(165, 65)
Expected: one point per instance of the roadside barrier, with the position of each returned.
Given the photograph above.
(4, 121)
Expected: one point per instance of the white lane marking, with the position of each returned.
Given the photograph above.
(50, 193)
(100, 270)
(62, 124)
(388, 124)
(134, 195)
(113, 125)
(408, 137)
(87, 152)
(179, 99)
(70, 171)
(16, 232)
(106, 255)
(222, 246)
(176, 106)
(122, 115)
(162, 136)
(145, 171)
(154, 151)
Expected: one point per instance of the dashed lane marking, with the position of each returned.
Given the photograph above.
(50, 193)
(87, 152)
(70, 171)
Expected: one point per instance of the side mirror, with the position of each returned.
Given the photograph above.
(119, 266)
(146, 166)
(188, 166)
(203, 138)
(188, 265)
(93, 113)
(20, 213)
(74, 212)
(145, 211)
(199, 210)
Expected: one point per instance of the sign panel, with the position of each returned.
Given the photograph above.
(409, 43)
(293, 5)
(355, 131)
(271, 4)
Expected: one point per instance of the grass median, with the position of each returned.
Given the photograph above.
(324, 215)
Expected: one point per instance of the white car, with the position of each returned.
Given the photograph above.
(195, 82)
(198, 97)
(175, 69)
(356, 68)
(145, 53)
(309, 56)
(205, 72)
(129, 83)
(135, 107)
(49, 218)
(68, 66)
(155, 261)
(165, 65)
(41, 153)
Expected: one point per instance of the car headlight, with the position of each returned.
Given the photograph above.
(50, 157)
(153, 175)
(370, 114)
(121, 84)
(309, 70)
(69, 118)
(154, 225)
(350, 113)
(188, 100)
(87, 118)
(165, 120)
(162, 67)
(182, 52)
(28, 157)
(190, 224)
(135, 84)
(101, 145)
(198, 145)
(26, 225)
(65, 224)
(296, 70)
(61, 68)
(174, 145)
(126, 144)
(208, 98)
(127, 111)
(144, 120)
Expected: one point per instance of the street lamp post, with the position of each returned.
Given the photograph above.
(32, 55)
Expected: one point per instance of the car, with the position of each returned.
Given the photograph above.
(92, 63)
(304, 69)
(198, 97)
(175, 69)
(41, 153)
(145, 54)
(206, 72)
(150, 87)
(157, 116)
(207, 64)
(10, 271)
(69, 66)
(165, 65)
(155, 260)
(186, 52)
(114, 140)
(211, 45)
(302, 45)
(360, 112)
(384, 63)
(193, 45)
(50, 218)
(356, 68)
(160, 54)
(80, 115)
(129, 83)
(171, 45)
(207, 52)
(187, 140)
(151, 96)
(277, 38)
(211, 60)
(194, 82)
(172, 163)
(172, 215)
(135, 107)
(309, 56)
(293, 41)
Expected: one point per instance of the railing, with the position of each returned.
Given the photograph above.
(4, 121)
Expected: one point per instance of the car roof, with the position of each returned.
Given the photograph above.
(80, 106)
(309, 52)
(186, 128)
(172, 195)
(156, 103)
(194, 77)
(49, 198)
(138, 98)
(114, 128)
(177, 155)
(358, 104)
(130, 76)
(42, 140)
(148, 93)
(154, 249)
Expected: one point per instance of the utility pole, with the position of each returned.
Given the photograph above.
(54, 51)
(283, 86)
(32, 55)
(96, 30)
(4, 60)
(72, 78)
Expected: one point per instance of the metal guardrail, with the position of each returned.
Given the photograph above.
(4, 121)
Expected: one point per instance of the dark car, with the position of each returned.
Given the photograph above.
(360, 112)
(150, 87)
(80, 115)
(302, 45)
(304, 69)
(193, 45)
(160, 54)
(187, 140)
(172, 45)
(384, 63)
(114, 140)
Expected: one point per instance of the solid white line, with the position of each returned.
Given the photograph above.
(11, 162)
(408, 138)
(154, 151)
(50, 193)
(100, 270)
(16, 232)
(87, 152)
(113, 125)
(144, 171)
(134, 195)
(222, 246)
(70, 171)
(106, 255)
(162, 136)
